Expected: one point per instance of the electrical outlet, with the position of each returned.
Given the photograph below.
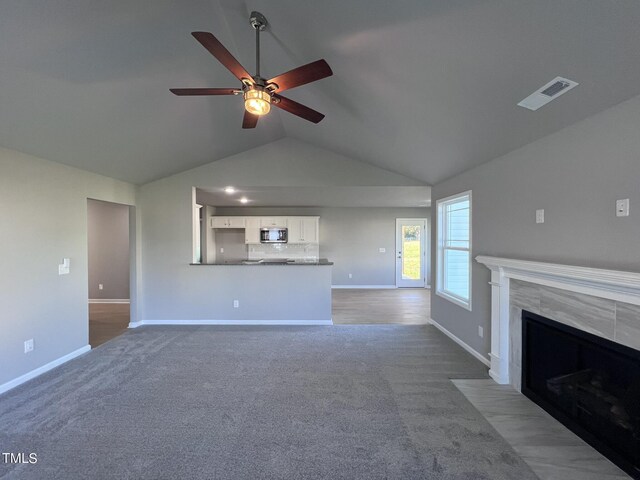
(350, 276)
(382, 250)
(540, 216)
(622, 207)
(100, 286)
(236, 304)
(480, 331)
(28, 346)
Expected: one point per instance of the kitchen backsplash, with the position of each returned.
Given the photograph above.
(309, 251)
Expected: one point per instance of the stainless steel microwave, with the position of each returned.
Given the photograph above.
(273, 235)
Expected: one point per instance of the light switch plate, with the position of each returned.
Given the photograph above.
(64, 268)
(622, 207)
(382, 250)
(540, 216)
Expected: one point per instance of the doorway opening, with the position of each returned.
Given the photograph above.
(109, 264)
(411, 252)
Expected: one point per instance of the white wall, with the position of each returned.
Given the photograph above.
(167, 211)
(43, 218)
(575, 175)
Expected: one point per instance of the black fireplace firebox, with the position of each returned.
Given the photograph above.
(590, 384)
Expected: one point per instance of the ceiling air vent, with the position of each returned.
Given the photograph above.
(548, 92)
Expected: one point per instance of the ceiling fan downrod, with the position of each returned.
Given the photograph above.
(259, 22)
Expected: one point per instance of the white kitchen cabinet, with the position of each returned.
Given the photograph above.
(217, 222)
(294, 230)
(303, 229)
(252, 230)
(273, 221)
(226, 222)
(236, 222)
(310, 229)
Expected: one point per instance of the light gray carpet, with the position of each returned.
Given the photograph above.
(341, 402)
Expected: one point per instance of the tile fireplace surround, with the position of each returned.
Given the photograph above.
(605, 303)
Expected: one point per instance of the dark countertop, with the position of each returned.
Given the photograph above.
(249, 263)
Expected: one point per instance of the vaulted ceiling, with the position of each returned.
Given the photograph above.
(426, 88)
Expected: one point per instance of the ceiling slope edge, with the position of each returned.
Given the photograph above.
(291, 148)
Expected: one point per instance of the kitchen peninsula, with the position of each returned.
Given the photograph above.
(248, 281)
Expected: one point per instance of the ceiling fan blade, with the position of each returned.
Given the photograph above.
(219, 51)
(249, 120)
(302, 75)
(203, 91)
(298, 109)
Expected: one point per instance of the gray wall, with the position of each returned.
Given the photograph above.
(166, 206)
(351, 237)
(264, 292)
(43, 218)
(108, 236)
(575, 175)
(232, 242)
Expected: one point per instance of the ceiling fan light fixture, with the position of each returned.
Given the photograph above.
(257, 100)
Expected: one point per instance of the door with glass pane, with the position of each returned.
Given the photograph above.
(411, 237)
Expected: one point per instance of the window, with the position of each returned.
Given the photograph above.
(453, 280)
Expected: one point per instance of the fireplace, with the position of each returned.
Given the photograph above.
(590, 384)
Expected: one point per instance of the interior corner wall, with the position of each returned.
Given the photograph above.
(43, 219)
(108, 248)
(351, 238)
(174, 290)
(575, 175)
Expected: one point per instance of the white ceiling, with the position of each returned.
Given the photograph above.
(351, 196)
(425, 88)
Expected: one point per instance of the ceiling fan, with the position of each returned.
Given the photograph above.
(259, 94)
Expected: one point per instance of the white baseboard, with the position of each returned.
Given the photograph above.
(230, 322)
(495, 377)
(109, 300)
(44, 368)
(473, 352)
(364, 286)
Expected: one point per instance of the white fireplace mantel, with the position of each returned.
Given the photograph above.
(612, 284)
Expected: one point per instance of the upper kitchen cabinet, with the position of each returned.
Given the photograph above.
(252, 230)
(303, 229)
(227, 222)
(273, 221)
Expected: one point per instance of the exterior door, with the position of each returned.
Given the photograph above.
(411, 234)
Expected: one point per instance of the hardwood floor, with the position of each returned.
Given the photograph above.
(106, 321)
(407, 306)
